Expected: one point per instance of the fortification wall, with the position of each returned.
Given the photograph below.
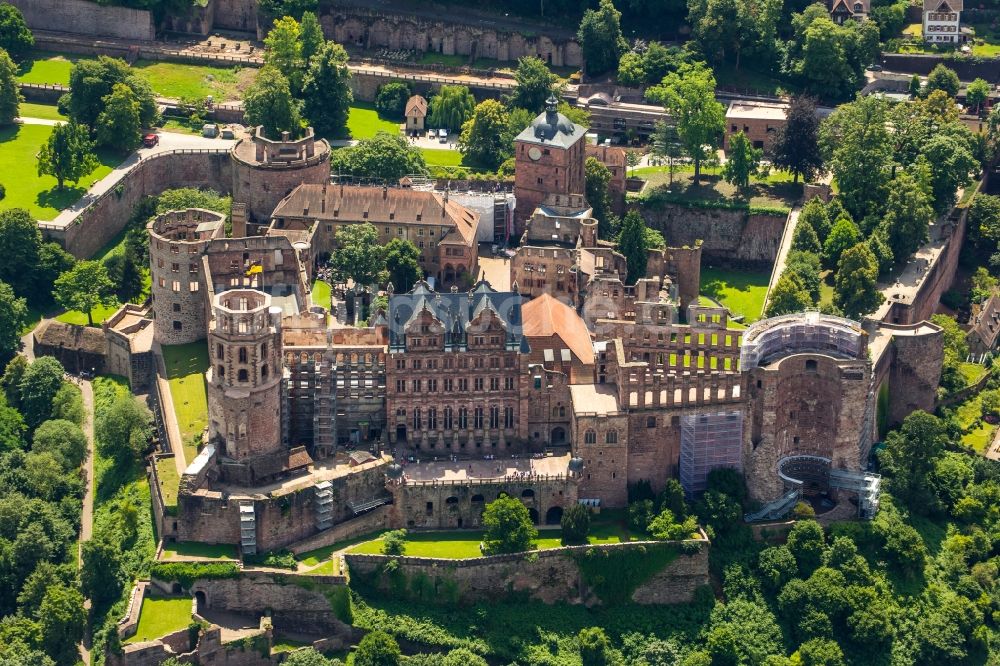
(967, 69)
(550, 576)
(87, 18)
(374, 520)
(239, 15)
(727, 235)
(372, 29)
(297, 603)
(109, 214)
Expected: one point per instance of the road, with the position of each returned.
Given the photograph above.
(783, 250)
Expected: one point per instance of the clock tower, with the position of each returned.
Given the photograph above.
(549, 156)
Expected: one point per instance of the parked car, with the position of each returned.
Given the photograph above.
(443, 134)
(150, 140)
(431, 133)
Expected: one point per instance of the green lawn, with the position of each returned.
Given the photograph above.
(34, 316)
(179, 127)
(169, 479)
(183, 81)
(99, 314)
(972, 372)
(19, 146)
(363, 122)
(186, 366)
(775, 191)
(321, 293)
(445, 158)
(742, 292)
(193, 549)
(312, 558)
(43, 111)
(282, 644)
(979, 438)
(48, 67)
(461, 544)
(161, 616)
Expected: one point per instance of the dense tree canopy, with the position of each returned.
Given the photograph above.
(482, 134)
(269, 103)
(600, 37)
(508, 527)
(10, 91)
(359, 255)
(326, 91)
(15, 36)
(689, 96)
(384, 156)
(91, 82)
(68, 153)
(535, 83)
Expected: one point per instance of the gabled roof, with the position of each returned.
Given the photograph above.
(943, 5)
(546, 316)
(455, 309)
(416, 106)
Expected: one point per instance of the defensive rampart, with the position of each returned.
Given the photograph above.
(87, 18)
(641, 572)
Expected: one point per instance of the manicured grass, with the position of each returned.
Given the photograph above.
(183, 81)
(826, 288)
(329, 568)
(742, 292)
(914, 30)
(313, 557)
(447, 158)
(321, 293)
(203, 550)
(461, 544)
(776, 191)
(48, 67)
(179, 127)
(34, 316)
(19, 146)
(969, 412)
(363, 122)
(43, 111)
(99, 314)
(186, 366)
(979, 438)
(282, 644)
(160, 617)
(169, 480)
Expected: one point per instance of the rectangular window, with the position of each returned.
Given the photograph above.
(175, 267)
(477, 418)
(478, 383)
(432, 419)
(463, 384)
(400, 386)
(193, 286)
(508, 417)
(400, 364)
(449, 385)
(416, 419)
(176, 285)
(494, 383)
(463, 418)
(432, 385)
(416, 386)
(508, 383)
(494, 417)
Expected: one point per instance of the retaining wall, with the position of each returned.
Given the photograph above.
(727, 235)
(87, 18)
(105, 217)
(966, 68)
(374, 520)
(551, 576)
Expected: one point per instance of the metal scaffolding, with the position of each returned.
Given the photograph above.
(799, 333)
(709, 441)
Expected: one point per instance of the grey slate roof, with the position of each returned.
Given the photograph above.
(455, 310)
(552, 128)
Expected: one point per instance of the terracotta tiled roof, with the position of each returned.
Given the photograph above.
(393, 205)
(416, 106)
(943, 5)
(546, 316)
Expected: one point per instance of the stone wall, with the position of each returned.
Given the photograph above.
(734, 236)
(109, 214)
(966, 68)
(239, 15)
(372, 521)
(551, 576)
(87, 18)
(296, 603)
(373, 29)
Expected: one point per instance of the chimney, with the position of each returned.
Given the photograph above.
(385, 192)
(285, 136)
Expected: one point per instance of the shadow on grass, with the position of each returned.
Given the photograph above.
(71, 192)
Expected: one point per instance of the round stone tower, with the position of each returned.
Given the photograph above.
(177, 240)
(244, 379)
(266, 170)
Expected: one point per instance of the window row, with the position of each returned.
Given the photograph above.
(448, 363)
(610, 437)
(450, 385)
(461, 418)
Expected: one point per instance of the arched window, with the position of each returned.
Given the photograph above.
(263, 371)
(243, 354)
(222, 371)
(590, 437)
(243, 376)
(562, 411)
(611, 437)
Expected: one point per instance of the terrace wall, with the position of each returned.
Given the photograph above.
(87, 18)
(733, 236)
(551, 576)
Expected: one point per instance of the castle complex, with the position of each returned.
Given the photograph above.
(569, 386)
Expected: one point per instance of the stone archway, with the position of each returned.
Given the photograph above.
(533, 513)
(558, 435)
(554, 515)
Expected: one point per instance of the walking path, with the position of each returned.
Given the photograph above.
(87, 517)
(169, 142)
(169, 415)
(783, 250)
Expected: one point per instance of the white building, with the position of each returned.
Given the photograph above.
(942, 20)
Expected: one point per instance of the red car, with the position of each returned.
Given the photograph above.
(150, 140)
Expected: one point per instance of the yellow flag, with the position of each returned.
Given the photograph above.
(255, 269)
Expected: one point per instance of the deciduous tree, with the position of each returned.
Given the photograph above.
(911, 453)
(13, 318)
(575, 524)
(37, 388)
(283, 46)
(402, 260)
(311, 37)
(63, 619)
(508, 527)
(359, 255)
(91, 81)
(598, 177)
(943, 78)
(908, 215)
(118, 125)
(855, 290)
(689, 96)
(451, 107)
(844, 235)
(796, 144)
(15, 36)
(632, 243)
(377, 648)
(482, 134)
(10, 91)
(68, 153)
(600, 37)
(385, 156)
(976, 93)
(327, 91)
(84, 287)
(788, 296)
(667, 145)
(391, 99)
(535, 82)
(269, 103)
(742, 162)
(64, 439)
